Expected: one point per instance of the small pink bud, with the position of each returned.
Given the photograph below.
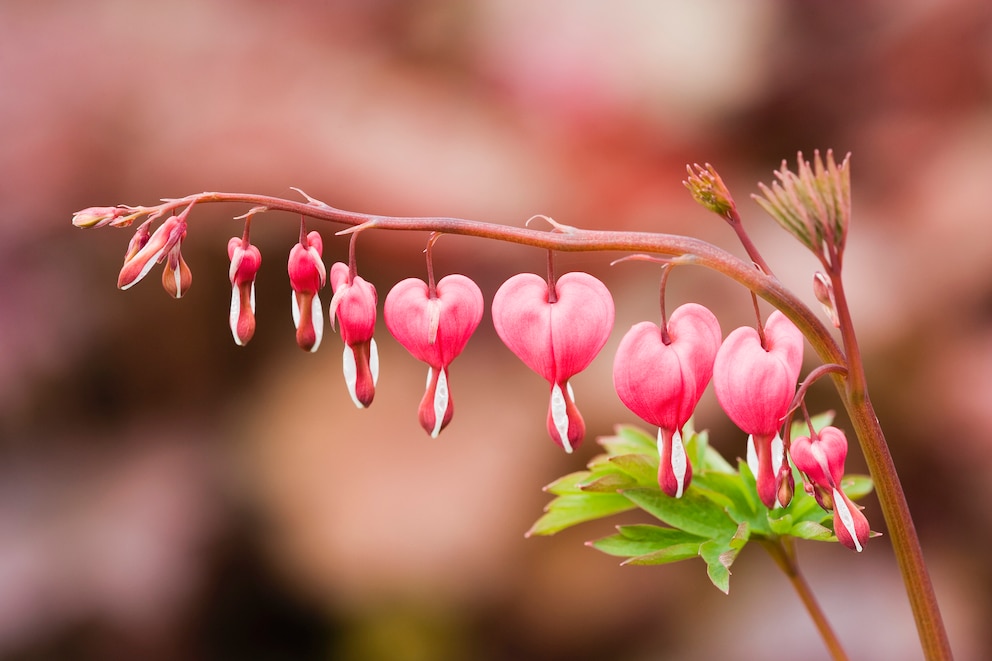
(434, 327)
(755, 386)
(353, 305)
(662, 383)
(144, 251)
(557, 340)
(245, 262)
(820, 458)
(823, 289)
(307, 276)
(99, 216)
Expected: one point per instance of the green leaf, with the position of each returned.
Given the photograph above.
(856, 486)
(569, 510)
(673, 553)
(812, 530)
(719, 554)
(629, 440)
(636, 541)
(741, 505)
(568, 484)
(643, 469)
(693, 512)
(703, 456)
(610, 482)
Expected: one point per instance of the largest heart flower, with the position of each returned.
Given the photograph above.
(434, 326)
(755, 385)
(556, 336)
(662, 382)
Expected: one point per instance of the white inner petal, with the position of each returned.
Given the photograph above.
(152, 261)
(235, 313)
(680, 462)
(571, 393)
(559, 415)
(374, 362)
(296, 311)
(251, 297)
(778, 453)
(440, 402)
(752, 455)
(351, 374)
(177, 275)
(430, 373)
(840, 504)
(317, 319)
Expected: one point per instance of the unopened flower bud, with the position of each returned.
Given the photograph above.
(245, 262)
(824, 292)
(708, 189)
(354, 306)
(307, 276)
(820, 458)
(164, 244)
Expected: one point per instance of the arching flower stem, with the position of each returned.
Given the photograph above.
(852, 386)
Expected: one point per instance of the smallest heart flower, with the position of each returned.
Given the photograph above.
(307, 276)
(820, 458)
(353, 306)
(556, 334)
(245, 262)
(163, 245)
(434, 324)
(662, 382)
(755, 385)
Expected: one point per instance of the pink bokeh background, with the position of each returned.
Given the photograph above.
(165, 494)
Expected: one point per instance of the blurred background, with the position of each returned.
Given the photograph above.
(165, 494)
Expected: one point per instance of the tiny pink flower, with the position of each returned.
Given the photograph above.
(163, 245)
(662, 383)
(755, 386)
(820, 458)
(555, 339)
(245, 262)
(307, 276)
(434, 327)
(353, 305)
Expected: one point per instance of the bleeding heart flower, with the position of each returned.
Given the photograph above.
(434, 326)
(557, 336)
(353, 305)
(755, 385)
(245, 262)
(662, 382)
(820, 458)
(145, 250)
(307, 276)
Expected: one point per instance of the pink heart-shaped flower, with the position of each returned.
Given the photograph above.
(434, 329)
(557, 340)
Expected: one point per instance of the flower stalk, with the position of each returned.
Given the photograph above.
(824, 187)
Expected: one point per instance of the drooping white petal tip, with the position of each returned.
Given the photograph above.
(559, 416)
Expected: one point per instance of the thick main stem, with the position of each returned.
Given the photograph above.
(783, 552)
(891, 497)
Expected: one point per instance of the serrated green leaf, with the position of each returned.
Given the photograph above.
(569, 510)
(639, 542)
(673, 553)
(742, 505)
(643, 469)
(609, 482)
(693, 512)
(719, 554)
(568, 484)
(857, 486)
(781, 525)
(812, 530)
(629, 440)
